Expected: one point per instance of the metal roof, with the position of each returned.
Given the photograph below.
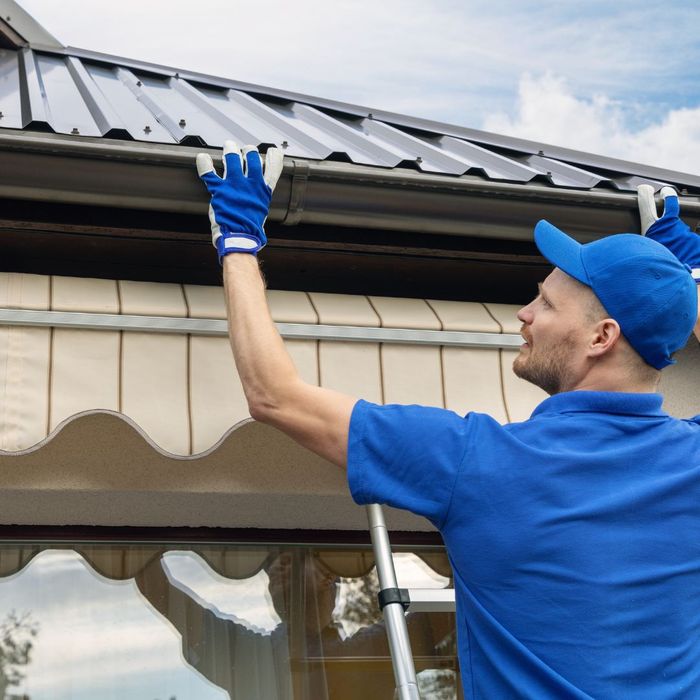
(85, 94)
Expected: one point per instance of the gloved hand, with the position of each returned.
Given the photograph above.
(669, 230)
(241, 199)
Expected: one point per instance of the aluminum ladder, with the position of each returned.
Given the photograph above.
(395, 601)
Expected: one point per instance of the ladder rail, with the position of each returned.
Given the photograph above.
(394, 617)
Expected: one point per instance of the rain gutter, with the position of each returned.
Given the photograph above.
(159, 177)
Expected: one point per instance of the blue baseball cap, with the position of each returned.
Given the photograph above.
(641, 284)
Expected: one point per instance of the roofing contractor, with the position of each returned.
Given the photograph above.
(574, 536)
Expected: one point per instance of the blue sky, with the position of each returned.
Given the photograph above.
(619, 78)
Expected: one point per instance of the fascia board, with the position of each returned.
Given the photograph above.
(112, 173)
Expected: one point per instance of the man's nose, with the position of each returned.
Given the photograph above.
(525, 314)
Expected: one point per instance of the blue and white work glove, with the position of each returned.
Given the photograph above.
(669, 230)
(241, 198)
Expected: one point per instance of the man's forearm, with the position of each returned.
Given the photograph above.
(264, 365)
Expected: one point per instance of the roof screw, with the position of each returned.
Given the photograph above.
(540, 153)
(285, 144)
(1, 115)
(370, 116)
(177, 75)
(419, 159)
(549, 173)
(139, 83)
(75, 131)
(147, 129)
(182, 123)
(684, 191)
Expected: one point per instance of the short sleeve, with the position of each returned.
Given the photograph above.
(408, 457)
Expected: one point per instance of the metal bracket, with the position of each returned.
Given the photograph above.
(297, 194)
(394, 595)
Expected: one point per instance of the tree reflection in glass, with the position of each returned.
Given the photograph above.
(100, 638)
(17, 632)
(356, 598)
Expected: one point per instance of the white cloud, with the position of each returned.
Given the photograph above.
(448, 60)
(548, 112)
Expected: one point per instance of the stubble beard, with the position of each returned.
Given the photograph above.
(547, 369)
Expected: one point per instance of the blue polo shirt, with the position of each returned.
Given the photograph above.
(574, 538)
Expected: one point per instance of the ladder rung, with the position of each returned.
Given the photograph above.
(432, 599)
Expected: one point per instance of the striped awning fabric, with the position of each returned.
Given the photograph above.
(182, 389)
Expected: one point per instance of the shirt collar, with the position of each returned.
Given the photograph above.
(618, 402)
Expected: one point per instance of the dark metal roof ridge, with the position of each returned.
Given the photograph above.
(438, 128)
(21, 23)
(9, 38)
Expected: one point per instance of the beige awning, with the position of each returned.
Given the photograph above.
(182, 390)
(154, 426)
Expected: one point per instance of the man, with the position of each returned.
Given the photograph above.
(574, 536)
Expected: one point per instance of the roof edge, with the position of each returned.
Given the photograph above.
(15, 21)
(42, 168)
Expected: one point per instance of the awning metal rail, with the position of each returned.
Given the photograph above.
(219, 327)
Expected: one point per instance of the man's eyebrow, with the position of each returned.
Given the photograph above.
(543, 293)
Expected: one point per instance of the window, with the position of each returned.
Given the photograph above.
(211, 622)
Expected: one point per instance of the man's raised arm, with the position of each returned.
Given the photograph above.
(671, 231)
(317, 418)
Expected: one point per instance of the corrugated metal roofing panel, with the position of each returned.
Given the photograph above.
(104, 115)
(428, 157)
(343, 137)
(72, 94)
(67, 112)
(493, 165)
(563, 174)
(10, 104)
(32, 96)
(153, 93)
(222, 124)
(133, 114)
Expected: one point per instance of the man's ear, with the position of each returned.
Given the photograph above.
(606, 334)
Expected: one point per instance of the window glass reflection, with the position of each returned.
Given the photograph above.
(274, 622)
(246, 601)
(96, 637)
(355, 598)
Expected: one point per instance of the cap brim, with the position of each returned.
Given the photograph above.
(561, 250)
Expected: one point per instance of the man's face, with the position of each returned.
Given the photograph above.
(554, 325)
